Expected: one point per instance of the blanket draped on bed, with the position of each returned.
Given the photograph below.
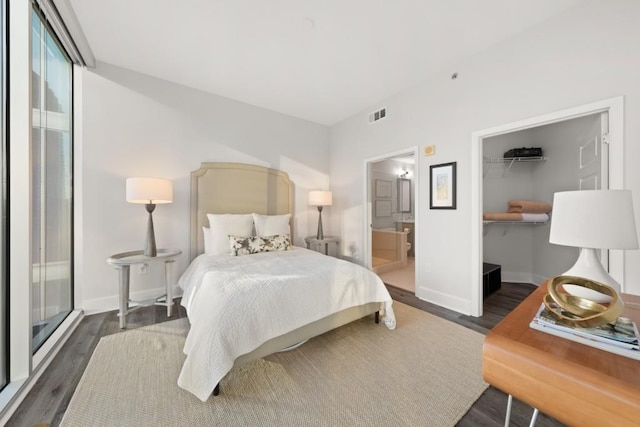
(235, 304)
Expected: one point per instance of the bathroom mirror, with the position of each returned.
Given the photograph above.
(404, 195)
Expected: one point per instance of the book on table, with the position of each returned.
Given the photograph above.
(620, 338)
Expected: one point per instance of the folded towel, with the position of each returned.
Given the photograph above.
(501, 216)
(535, 217)
(527, 206)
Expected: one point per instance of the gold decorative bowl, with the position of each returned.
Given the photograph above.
(578, 311)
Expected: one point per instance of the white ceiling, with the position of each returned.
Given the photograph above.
(319, 60)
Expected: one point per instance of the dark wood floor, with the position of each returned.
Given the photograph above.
(46, 402)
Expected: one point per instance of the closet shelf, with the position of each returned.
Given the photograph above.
(505, 230)
(511, 160)
(515, 222)
(515, 159)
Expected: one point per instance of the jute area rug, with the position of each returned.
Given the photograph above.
(427, 372)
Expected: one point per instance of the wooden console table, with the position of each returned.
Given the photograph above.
(574, 383)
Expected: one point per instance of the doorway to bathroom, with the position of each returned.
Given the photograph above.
(391, 212)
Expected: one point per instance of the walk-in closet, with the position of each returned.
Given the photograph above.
(573, 157)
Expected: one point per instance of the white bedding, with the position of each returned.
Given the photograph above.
(236, 303)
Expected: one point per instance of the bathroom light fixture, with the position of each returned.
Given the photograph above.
(592, 220)
(149, 191)
(320, 199)
(403, 174)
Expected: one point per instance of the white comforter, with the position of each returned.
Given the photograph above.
(235, 304)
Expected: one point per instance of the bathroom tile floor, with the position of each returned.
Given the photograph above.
(403, 278)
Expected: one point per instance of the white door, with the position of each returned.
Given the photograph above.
(593, 163)
(589, 150)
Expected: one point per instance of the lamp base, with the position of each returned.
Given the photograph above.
(588, 266)
(150, 243)
(320, 233)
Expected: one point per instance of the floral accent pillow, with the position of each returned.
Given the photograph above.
(247, 245)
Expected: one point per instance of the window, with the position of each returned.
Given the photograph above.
(3, 177)
(52, 202)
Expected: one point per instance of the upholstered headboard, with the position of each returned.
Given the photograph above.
(236, 188)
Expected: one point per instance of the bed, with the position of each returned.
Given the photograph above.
(242, 308)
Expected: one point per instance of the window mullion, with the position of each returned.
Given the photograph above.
(42, 214)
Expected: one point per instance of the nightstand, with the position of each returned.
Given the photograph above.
(123, 261)
(322, 245)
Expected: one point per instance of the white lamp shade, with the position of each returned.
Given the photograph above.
(598, 219)
(149, 190)
(320, 198)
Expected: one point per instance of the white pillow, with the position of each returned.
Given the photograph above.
(206, 231)
(221, 226)
(270, 225)
(206, 239)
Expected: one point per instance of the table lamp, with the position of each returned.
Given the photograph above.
(149, 191)
(320, 199)
(591, 220)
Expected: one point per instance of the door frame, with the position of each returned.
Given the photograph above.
(367, 214)
(615, 108)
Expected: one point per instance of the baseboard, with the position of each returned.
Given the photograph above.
(460, 305)
(539, 279)
(516, 277)
(100, 305)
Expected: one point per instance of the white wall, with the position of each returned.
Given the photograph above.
(137, 125)
(524, 251)
(589, 53)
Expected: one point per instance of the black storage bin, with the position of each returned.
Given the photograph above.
(524, 152)
(491, 278)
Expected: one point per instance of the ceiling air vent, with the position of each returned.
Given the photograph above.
(377, 115)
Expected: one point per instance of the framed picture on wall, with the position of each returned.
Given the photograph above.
(383, 208)
(383, 188)
(442, 192)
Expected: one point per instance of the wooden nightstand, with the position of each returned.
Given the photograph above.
(322, 245)
(123, 261)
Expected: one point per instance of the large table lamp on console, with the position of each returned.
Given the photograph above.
(592, 220)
